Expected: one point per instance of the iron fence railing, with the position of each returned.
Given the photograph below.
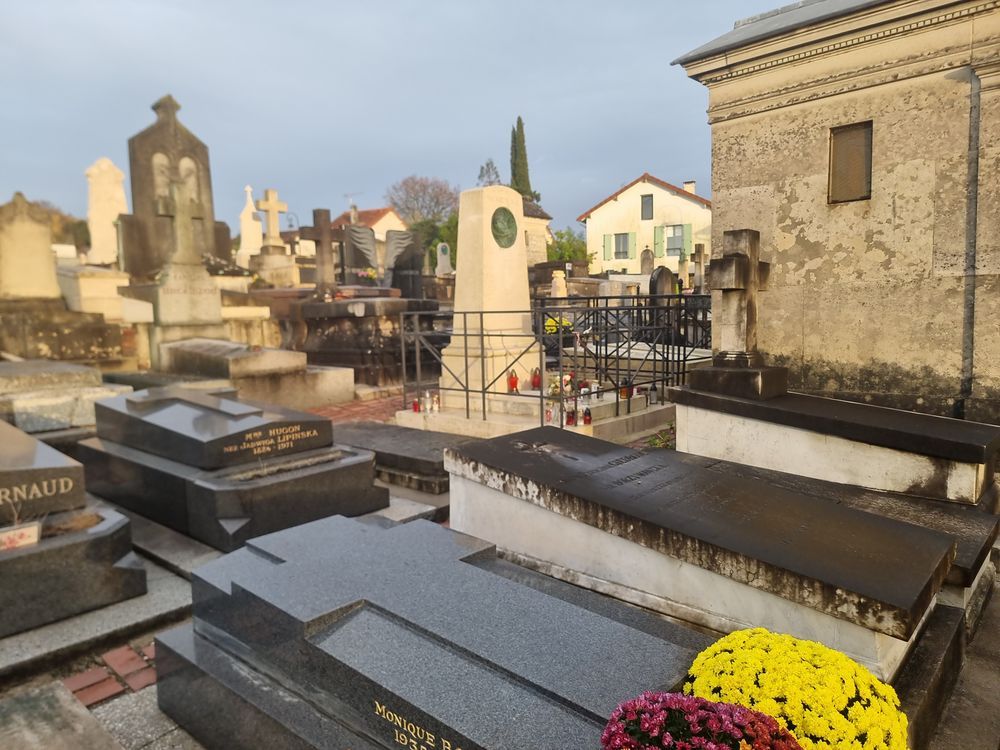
(564, 354)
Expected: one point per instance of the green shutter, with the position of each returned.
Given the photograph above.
(609, 247)
(632, 241)
(658, 241)
(688, 242)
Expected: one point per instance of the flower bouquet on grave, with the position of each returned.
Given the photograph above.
(367, 274)
(825, 699)
(673, 720)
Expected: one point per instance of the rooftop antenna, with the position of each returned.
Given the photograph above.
(350, 197)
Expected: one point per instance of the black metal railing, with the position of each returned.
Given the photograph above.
(567, 354)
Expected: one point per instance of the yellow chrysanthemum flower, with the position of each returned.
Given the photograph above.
(824, 698)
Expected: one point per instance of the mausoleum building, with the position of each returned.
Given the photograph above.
(862, 139)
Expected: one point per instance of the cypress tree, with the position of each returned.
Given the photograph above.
(519, 179)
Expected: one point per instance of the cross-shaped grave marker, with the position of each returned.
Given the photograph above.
(321, 233)
(271, 208)
(739, 275)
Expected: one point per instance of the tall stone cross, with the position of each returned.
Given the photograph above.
(321, 233)
(737, 277)
(271, 208)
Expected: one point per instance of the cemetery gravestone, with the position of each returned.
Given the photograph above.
(159, 156)
(646, 262)
(321, 233)
(251, 236)
(662, 281)
(443, 267)
(84, 559)
(34, 320)
(105, 203)
(403, 263)
(221, 470)
(663, 531)
(421, 638)
(27, 263)
(360, 257)
(273, 263)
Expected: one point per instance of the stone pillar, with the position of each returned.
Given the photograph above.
(559, 288)
(492, 278)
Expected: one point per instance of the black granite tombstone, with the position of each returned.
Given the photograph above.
(404, 263)
(344, 634)
(360, 257)
(83, 560)
(221, 470)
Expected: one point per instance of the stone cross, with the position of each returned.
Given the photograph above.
(185, 249)
(737, 277)
(271, 208)
(322, 234)
(217, 401)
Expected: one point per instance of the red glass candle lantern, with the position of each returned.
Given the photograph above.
(536, 379)
(512, 382)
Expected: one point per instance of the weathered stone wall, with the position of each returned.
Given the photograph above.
(868, 300)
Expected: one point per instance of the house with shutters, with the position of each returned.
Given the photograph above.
(648, 213)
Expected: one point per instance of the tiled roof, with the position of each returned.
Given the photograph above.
(368, 217)
(533, 211)
(647, 177)
(775, 23)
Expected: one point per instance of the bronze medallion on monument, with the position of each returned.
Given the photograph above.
(504, 227)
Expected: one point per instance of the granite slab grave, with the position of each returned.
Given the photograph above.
(663, 531)
(222, 470)
(41, 396)
(404, 456)
(420, 637)
(871, 446)
(83, 560)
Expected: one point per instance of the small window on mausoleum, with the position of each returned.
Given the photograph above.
(647, 207)
(851, 163)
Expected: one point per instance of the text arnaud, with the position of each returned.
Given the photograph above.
(36, 490)
(410, 735)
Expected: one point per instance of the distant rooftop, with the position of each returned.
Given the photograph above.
(777, 22)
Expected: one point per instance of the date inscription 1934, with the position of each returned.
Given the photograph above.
(410, 735)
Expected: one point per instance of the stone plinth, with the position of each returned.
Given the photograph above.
(842, 441)
(663, 531)
(40, 395)
(277, 269)
(364, 649)
(212, 358)
(223, 471)
(84, 558)
(93, 289)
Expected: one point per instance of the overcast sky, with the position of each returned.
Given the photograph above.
(324, 99)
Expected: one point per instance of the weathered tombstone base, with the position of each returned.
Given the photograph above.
(842, 441)
(225, 507)
(666, 532)
(87, 563)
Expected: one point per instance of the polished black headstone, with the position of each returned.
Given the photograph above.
(390, 635)
(878, 571)
(35, 479)
(69, 573)
(209, 430)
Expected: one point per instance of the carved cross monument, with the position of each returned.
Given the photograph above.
(737, 367)
(321, 233)
(271, 207)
